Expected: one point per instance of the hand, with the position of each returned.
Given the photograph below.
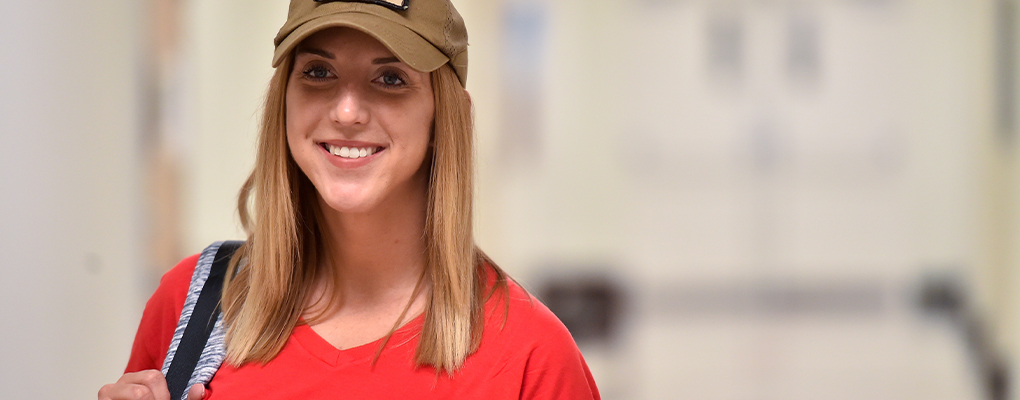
(144, 385)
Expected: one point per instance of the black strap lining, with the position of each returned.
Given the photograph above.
(196, 334)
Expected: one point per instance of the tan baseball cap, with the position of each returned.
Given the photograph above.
(424, 34)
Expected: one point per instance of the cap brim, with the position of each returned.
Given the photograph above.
(407, 45)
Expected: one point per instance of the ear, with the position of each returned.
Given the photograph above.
(468, 95)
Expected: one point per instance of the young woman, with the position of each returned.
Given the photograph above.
(360, 277)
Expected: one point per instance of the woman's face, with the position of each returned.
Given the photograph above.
(358, 120)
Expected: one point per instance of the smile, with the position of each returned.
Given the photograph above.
(350, 152)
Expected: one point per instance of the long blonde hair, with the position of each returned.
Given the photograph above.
(280, 261)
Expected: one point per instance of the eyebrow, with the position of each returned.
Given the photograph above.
(328, 55)
(318, 52)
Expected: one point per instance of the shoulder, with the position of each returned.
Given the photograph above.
(178, 278)
(159, 319)
(535, 340)
(536, 329)
(515, 315)
(173, 286)
(533, 322)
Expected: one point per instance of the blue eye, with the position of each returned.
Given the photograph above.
(391, 79)
(317, 73)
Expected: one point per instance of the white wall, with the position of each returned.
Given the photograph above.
(69, 231)
(225, 69)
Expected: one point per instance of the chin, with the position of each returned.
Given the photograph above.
(347, 201)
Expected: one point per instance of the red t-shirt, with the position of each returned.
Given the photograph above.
(531, 357)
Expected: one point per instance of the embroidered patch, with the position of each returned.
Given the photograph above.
(397, 5)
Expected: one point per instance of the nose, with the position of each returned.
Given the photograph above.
(350, 109)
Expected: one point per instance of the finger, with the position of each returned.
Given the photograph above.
(104, 392)
(152, 379)
(125, 391)
(197, 392)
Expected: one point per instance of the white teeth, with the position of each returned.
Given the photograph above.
(351, 152)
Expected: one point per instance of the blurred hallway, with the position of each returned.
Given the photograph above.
(746, 199)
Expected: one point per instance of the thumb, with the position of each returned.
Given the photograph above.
(197, 392)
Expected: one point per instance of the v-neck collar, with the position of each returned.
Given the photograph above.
(324, 351)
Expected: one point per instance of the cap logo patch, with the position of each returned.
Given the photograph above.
(396, 5)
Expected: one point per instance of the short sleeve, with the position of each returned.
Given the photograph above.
(159, 319)
(555, 368)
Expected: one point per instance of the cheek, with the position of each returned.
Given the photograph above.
(423, 119)
(294, 135)
(299, 124)
(302, 116)
(418, 130)
(296, 115)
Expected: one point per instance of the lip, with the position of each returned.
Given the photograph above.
(349, 163)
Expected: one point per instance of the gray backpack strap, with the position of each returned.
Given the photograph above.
(184, 365)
